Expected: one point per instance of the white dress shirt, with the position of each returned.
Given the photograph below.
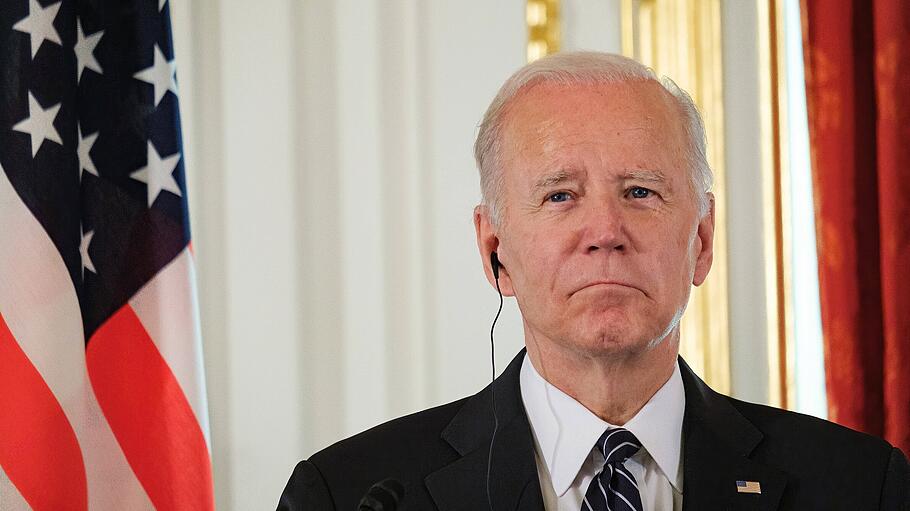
(565, 433)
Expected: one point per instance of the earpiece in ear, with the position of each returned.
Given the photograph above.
(494, 264)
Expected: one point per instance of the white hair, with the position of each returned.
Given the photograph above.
(582, 68)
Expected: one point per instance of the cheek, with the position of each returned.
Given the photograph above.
(538, 261)
(676, 260)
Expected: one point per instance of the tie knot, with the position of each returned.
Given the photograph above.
(617, 445)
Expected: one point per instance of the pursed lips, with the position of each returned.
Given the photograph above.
(608, 283)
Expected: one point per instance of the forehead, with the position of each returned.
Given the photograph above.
(613, 127)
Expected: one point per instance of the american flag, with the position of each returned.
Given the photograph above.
(748, 487)
(102, 398)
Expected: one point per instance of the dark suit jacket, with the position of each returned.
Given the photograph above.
(440, 455)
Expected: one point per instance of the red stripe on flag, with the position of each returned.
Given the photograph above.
(149, 415)
(38, 447)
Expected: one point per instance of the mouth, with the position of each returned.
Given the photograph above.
(609, 284)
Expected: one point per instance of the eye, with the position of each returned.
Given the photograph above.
(637, 192)
(559, 197)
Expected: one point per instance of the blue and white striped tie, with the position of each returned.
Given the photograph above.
(614, 488)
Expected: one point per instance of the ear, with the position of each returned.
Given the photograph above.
(487, 242)
(705, 244)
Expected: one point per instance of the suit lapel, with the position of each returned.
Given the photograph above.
(513, 471)
(717, 443)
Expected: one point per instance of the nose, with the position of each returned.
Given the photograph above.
(604, 230)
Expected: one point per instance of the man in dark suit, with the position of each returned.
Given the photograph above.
(597, 217)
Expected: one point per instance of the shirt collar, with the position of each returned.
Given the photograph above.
(658, 426)
(565, 431)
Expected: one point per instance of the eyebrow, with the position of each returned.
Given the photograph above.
(651, 176)
(555, 178)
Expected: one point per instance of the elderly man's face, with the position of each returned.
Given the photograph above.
(600, 238)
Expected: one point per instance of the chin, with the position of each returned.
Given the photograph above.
(613, 338)
(610, 342)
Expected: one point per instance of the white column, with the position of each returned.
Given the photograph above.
(258, 175)
(748, 326)
(405, 204)
(362, 222)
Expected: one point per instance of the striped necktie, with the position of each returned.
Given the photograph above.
(614, 488)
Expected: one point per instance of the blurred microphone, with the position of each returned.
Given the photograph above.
(383, 496)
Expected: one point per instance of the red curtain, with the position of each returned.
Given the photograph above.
(857, 57)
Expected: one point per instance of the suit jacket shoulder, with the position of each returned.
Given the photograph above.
(442, 456)
(810, 435)
(406, 449)
(800, 462)
(838, 467)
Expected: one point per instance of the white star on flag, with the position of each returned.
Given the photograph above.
(158, 174)
(162, 75)
(39, 24)
(85, 159)
(84, 49)
(39, 124)
(87, 263)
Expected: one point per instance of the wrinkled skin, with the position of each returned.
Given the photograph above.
(600, 235)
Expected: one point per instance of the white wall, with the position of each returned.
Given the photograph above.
(329, 154)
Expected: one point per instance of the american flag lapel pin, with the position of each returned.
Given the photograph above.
(748, 487)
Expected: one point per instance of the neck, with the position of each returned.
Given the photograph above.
(612, 386)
